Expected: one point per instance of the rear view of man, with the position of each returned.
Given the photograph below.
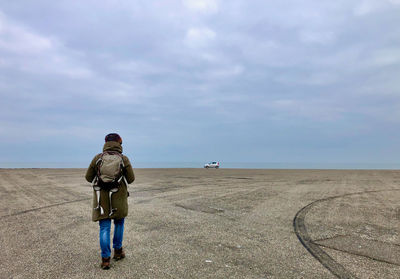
(110, 173)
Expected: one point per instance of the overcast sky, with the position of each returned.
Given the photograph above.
(199, 80)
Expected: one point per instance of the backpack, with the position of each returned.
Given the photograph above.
(110, 168)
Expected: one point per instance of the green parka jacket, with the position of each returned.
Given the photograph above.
(120, 198)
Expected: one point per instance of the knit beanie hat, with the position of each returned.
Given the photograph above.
(113, 137)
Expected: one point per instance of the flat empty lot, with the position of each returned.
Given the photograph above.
(198, 223)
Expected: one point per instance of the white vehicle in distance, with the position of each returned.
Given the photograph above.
(212, 165)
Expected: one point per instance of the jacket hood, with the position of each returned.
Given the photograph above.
(112, 146)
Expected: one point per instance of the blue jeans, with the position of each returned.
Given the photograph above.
(105, 229)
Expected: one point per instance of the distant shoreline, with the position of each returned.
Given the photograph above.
(210, 170)
(197, 165)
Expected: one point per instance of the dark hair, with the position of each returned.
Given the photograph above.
(113, 137)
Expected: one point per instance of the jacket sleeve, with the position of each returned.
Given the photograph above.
(129, 174)
(91, 171)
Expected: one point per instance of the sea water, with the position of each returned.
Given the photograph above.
(234, 165)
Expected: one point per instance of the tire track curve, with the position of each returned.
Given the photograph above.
(315, 250)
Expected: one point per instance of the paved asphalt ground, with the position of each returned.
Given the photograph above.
(198, 223)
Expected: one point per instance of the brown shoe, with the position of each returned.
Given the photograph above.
(105, 263)
(119, 254)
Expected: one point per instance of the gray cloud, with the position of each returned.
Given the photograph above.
(320, 78)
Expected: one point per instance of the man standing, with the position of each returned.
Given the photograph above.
(110, 173)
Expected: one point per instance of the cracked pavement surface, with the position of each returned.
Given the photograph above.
(206, 223)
